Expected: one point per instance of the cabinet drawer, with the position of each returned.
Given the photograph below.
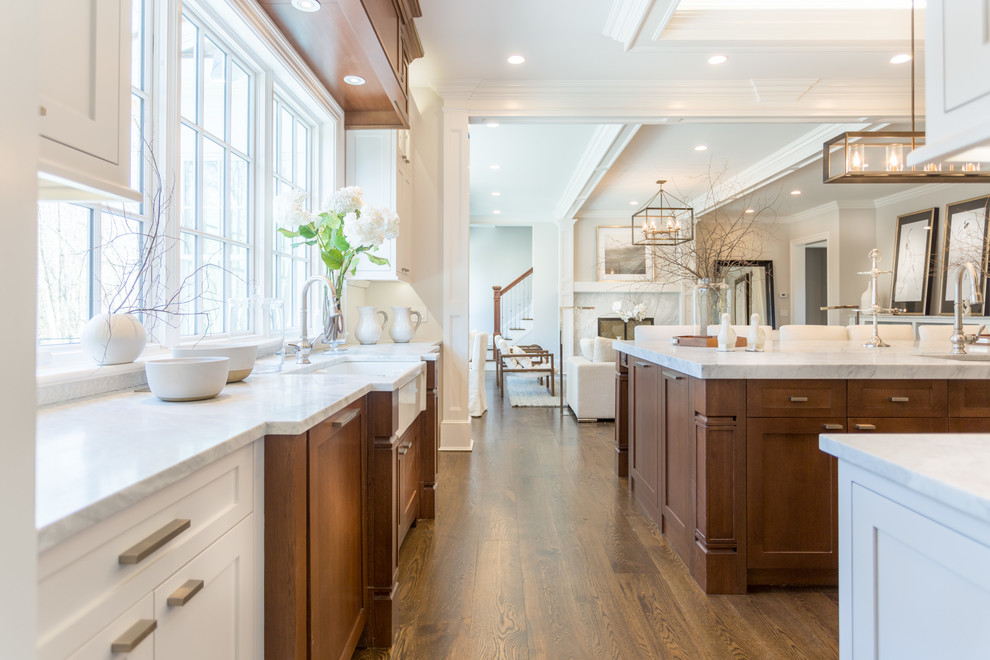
(129, 626)
(796, 398)
(969, 425)
(969, 398)
(82, 584)
(897, 398)
(897, 425)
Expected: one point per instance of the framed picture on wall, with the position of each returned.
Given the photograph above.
(619, 259)
(964, 239)
(914, 261)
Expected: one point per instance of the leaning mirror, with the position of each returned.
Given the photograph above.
(749, 290)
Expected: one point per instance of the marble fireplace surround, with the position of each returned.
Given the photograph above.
(663, 307)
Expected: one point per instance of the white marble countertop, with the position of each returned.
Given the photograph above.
(951, 468)
(813, 359)
(98, 455)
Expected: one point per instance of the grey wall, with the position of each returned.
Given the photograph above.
(816, 285)
(499, 254)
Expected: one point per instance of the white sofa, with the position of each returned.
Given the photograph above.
(590, 390)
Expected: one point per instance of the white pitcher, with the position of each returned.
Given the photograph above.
(369, 330)
(403, 328)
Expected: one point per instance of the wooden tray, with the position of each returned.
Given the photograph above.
(703, 342)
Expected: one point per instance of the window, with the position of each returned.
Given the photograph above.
(215, 189)
(292, 171)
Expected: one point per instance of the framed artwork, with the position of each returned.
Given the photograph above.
(964, 239)
(619, 259)
(914, 261)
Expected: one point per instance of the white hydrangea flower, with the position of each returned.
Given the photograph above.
(290, 209)
(364, 228)
(391, 228)
(639, 311)
(346, 200)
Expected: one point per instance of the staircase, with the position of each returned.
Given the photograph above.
(513, 308)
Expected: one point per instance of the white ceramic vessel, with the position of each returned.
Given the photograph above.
(242, 357)
(186, 379)
(726, 335)
(369, 330)
(113, 338)
(403, 328)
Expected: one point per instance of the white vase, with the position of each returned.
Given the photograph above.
(726, 335)
(369, 330)
(113, 338)
(403, 328)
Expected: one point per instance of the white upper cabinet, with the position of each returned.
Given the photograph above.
(378, 163)
(957, 87)
(85, 99)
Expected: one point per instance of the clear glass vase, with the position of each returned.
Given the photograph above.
(709, 298)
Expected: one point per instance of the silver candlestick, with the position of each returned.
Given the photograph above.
(875, 309)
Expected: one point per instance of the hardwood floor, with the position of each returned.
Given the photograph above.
(538, 551)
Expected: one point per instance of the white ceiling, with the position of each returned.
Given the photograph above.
(616, 94)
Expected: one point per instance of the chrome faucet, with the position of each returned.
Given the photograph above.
(959, 338)
(331, 329)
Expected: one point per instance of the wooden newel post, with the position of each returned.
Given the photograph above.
(498, 310)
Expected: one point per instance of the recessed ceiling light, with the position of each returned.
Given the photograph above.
(515, 59)
(494, 167)
(718, 59)
(701, 147)
(354, 80)
(633, 203)
(492, 124)
(306, 5)
(496, 194)
(750, 210)
(795, 192)
(900, 58)
(496, 211)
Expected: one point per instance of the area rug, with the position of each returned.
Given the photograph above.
(526, 392)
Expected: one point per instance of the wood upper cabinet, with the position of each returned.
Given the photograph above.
(316, 539)
(677, 449)
(792, 520)
(644, 430)
(84, 108)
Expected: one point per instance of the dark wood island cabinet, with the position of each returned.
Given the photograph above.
(731, 472)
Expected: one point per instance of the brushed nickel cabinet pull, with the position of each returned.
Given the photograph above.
(797, 399)
(645, 365)
(346, 419)
(140, 550)
(866, 427)
(671, 377)
(832, 427)
(184, 594)
(133, 636)
(403, 451)
(899, 399)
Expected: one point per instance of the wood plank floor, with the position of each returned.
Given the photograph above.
(538, 551)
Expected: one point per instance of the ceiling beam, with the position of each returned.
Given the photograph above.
(606, 144)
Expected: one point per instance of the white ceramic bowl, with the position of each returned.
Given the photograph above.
(241, 357)
(186, 379)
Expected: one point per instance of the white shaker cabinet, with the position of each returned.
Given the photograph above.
(377, 161)
(957, 87)
(172, 576)
(84, 109)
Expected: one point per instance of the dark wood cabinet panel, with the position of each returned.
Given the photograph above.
(429, 443)
(621, 416)
(408, 486)
(897, 425)
(969, 398)
(796, 398)
(969, 425)
(644, 459)
(315, 539)
(897, 398)
(677, 461)
(338, 577)
(792, 501)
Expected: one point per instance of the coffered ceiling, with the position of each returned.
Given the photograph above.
(617, 94)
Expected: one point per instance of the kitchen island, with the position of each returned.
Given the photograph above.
(721, 449)
(914, 544)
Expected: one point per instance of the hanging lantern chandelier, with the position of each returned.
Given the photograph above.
(664, 220)
(880, 156)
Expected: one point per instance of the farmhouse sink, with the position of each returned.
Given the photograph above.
(406, 378)
(385, 369)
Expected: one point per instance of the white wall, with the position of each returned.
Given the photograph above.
(546, 289)
(499, 254)
(426, 120)
(385, 295)
(18, 288)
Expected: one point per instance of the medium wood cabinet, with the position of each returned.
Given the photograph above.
(677, 459)
(316, 538)
(644, 435)
(408, 487)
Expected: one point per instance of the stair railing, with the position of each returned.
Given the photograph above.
(512, 303)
